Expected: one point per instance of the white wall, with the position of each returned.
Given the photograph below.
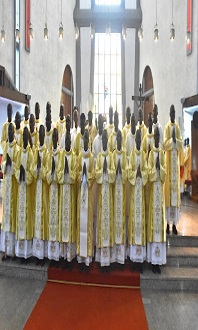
(42, 69)
(85, 4)
(130, 67)
(85, 44)
(174, 73)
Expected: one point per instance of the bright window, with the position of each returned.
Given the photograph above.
(107, 74)
(108, 2)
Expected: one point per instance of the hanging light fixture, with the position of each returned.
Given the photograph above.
(61, 31)
(92, 30)
(17, 34)
(108, 29)
(3, 35)
(31, 32)
(188, 37)
(124, 32)
(140, 33)
(156, 31)
(61, 25)
(46, 36)
(92, 27)
(172, 29)
(76, 31)
(108, 26)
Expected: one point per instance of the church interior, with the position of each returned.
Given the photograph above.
(117, 60)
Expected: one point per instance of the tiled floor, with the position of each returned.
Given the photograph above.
(165, 310)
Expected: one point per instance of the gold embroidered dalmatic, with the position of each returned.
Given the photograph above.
(85, 157)
(41, 195)
(126, 129)
(48, 139)
(25, 207)
(52, 180)
(172, 183)
(67, 200)
(10, 188)
(112, 141)
(156, 221)
(61, 127)
(92, 133)
(120, 198)
(105, 227)
(4, 134)
(136, 225)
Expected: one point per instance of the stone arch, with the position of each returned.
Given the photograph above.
(148, 92)
(67, 96)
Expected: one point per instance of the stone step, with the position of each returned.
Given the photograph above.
(182, 256)
(171, 278)
(14, 268)
(188, 241)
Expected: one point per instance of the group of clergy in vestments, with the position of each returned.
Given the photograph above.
(87, 192)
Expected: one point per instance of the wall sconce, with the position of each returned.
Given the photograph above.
(17, 35)
(140, 33)
(124, 32)
(61, 24)
(46, 32)
(3, 35)
(108, 29)
(76, 31)
(156, 31)
(172, 29)
(46, 36)
(61, 31)
(188, 37)
(31, 32)
(92, 30)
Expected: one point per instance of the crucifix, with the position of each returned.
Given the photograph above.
(140, 98)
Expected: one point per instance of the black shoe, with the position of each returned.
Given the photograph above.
(140, 268)
(167, 229)
(37, 261)
(70, 266)
(4, 258)
(158, 269)
(64, 264)
(154, 270)
(132, 266)
(174, 230)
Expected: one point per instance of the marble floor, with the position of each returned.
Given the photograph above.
(165, 310)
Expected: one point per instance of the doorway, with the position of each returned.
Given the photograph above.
(67, 96)
(148, 92)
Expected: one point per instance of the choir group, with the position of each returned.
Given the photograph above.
(87, 192)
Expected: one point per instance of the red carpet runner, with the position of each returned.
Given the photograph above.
(113, 278)
(89, 306)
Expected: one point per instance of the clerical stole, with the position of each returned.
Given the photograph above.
(7, 199)
(53, 214)
(22, 202)
(138, 211)
(157, 210)
(66, 226)
(174, 177)
(84, 217)
(39, 209)
(105, 221)
(118, 211)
